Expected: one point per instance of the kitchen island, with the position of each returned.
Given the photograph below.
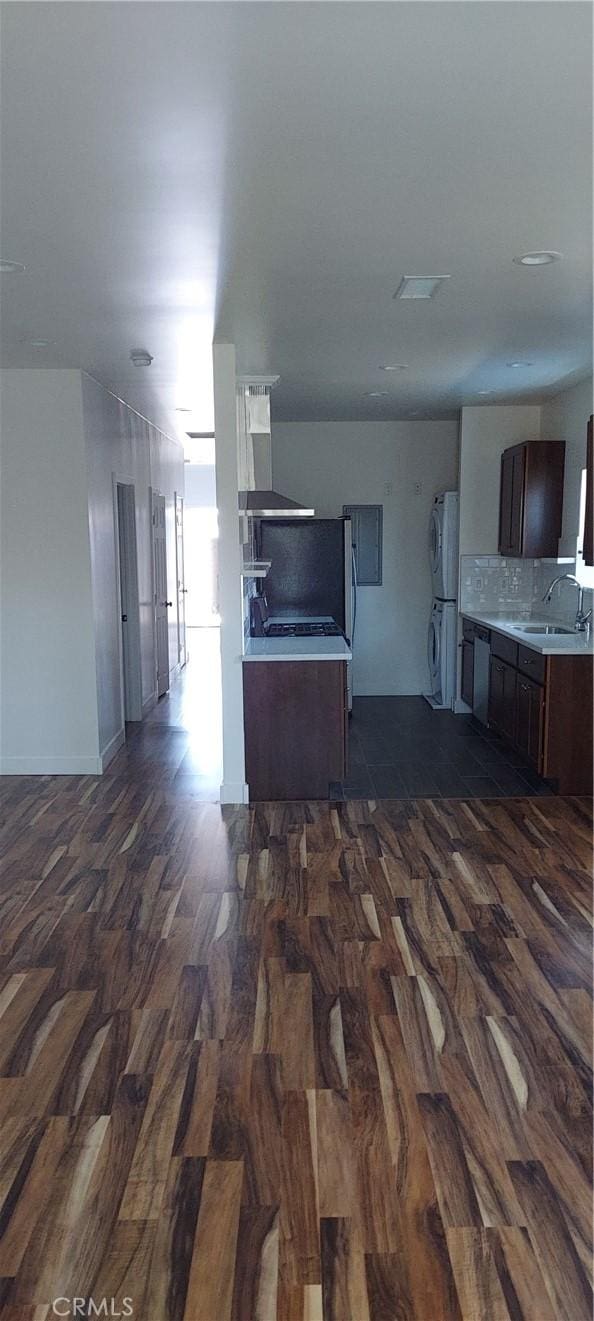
(295, 716)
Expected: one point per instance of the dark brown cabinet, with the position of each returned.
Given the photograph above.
(502, 698)
(588, 547)
(530, 709)
(531, 499)
(296, 728)
(467, 672)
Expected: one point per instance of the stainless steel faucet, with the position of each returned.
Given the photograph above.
(582, 619)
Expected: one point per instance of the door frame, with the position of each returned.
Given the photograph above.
(155, 493)
(125, 533)
(180, 579)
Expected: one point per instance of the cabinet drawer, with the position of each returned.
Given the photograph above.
(505, 648)
(532, 663)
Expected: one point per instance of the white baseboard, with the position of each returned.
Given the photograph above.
(50, 765)
(112, 747)
(462, 708)
(148, 704)
(234, 791)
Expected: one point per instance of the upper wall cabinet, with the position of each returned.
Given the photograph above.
(588, 548)
(531, 499)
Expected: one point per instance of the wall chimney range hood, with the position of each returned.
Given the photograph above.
(269, 504)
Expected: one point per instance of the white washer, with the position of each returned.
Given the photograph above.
(441, 654)
(443, 546)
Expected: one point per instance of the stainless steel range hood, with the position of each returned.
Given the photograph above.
(269, 504)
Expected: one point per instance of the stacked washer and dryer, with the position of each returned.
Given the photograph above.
(442, 641)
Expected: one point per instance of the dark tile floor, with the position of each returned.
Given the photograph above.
(400, 748)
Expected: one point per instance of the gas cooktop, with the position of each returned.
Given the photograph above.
(304, 630)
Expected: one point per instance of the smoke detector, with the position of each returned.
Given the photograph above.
(141, 358)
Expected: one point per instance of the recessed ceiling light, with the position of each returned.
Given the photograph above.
(183, 410)
(519, 364)
(39, 343)
(485, 392)
(375, 394)
(141, 358)
(394, 367)
(10, 267)
(538, 258)
(420, 286)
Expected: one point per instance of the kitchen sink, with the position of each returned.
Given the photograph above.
(544, 629)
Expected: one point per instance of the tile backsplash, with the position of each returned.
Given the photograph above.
(493, 584)
(490, 583)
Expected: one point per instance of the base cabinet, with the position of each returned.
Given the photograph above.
(296, 728)
(548, 719)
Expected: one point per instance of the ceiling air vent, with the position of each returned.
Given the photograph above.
(420, 286)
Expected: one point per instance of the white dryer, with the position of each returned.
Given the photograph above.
(443, 546)
(441, 654)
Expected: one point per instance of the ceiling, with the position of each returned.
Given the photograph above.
(268, 173)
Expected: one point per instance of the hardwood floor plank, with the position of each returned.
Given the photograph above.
(455, 1190)
(210, 1286)
(263, 1146)
(256, 1267)
(148, 1173)
(171, 1258)
(299, 1212)
(344, 1283)
(477, 1281)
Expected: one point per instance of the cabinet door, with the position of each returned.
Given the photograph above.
(505, 501)
(530, 720)
(502, 698)
(516, 539)
(467, 672)
(495, 692)
(511, 500)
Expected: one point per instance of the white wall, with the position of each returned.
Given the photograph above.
(566, 418)
(233, 788)
(329, 464)
(48, 708)
(484, 434)
(200, 486)
(121, 444)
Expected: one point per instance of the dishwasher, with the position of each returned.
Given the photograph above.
(480, 682)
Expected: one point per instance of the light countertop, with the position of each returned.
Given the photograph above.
(297, 649)
(559, 644)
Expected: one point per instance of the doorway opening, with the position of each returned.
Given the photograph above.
(129, 605)
(192, 710)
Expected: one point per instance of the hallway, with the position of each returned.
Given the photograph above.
(292, 1062)
(179, 744)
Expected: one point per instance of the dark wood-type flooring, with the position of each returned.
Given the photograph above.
(293, 1062)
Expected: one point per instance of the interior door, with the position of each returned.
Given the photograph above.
(181, 580)
(130, 624)
(162, 605)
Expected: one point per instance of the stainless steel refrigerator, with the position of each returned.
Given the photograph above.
(312, 573)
